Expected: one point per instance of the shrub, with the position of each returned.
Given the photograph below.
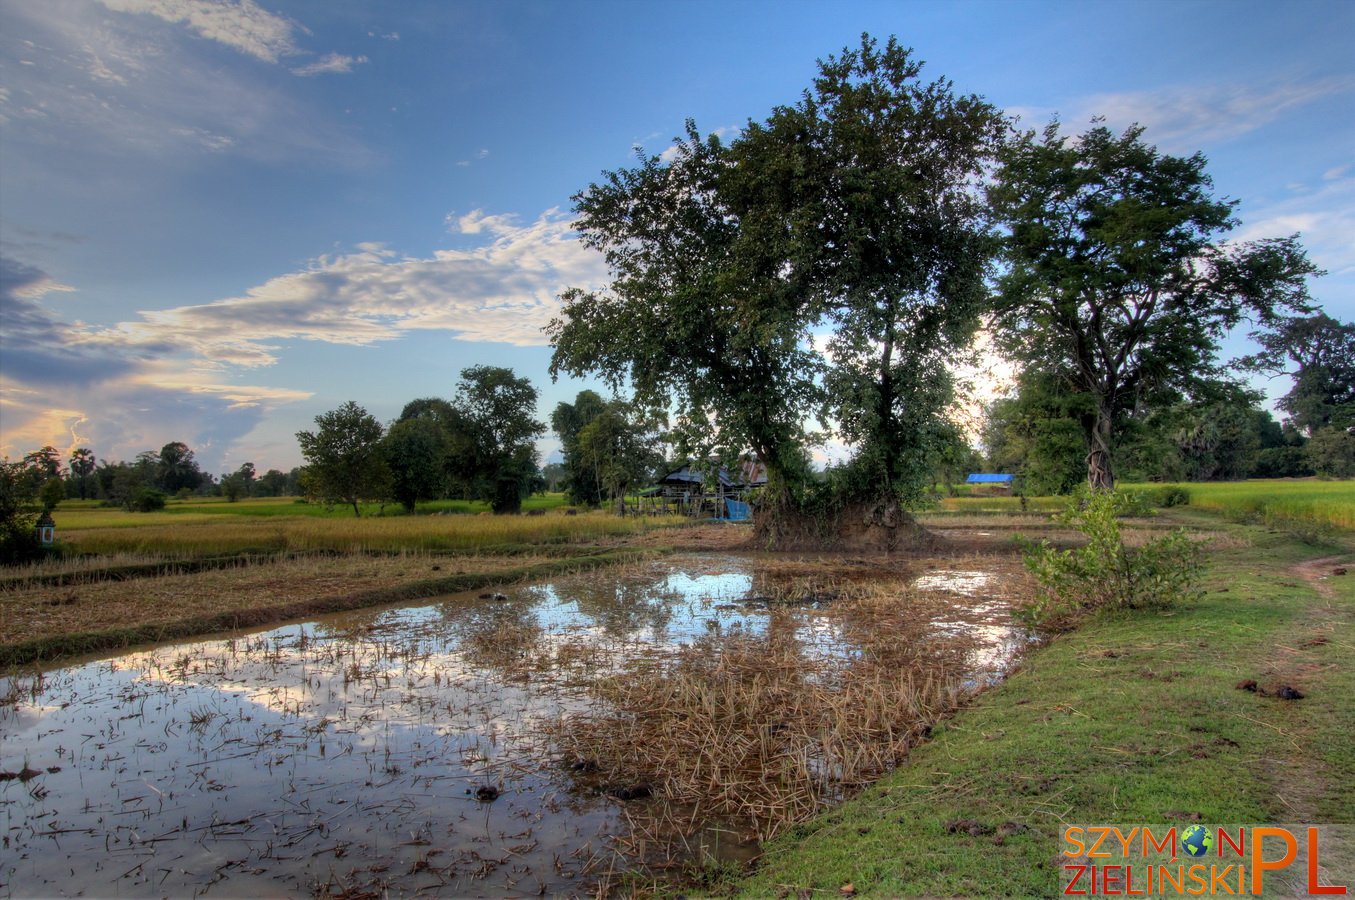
(1106, 574)
(147, 500)
(1172, 495)
(1119, 503)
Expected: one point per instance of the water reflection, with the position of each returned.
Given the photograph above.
(402, 748)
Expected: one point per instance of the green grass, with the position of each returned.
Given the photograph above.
(1132, 718)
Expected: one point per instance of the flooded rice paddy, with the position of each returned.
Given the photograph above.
(545, 739)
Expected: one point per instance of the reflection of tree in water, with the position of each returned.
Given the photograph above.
(625, 606)
(504, 635)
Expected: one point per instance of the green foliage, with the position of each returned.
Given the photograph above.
(52, 492)
(1331, 453)
(147, 499)
(232, 487)
(620, 447)
(1037, 436)
(19, 511)
(704, 311)
(1105, 573)
(343, 457)
(1116, 281)
(45, 463)
(1321, 351)
(493, 449)
(567, 421)
(415, 450)
(1282, 462)
(176, 468)
(1171, 495)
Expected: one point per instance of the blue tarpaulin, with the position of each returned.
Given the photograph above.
(737, 511)
(981, 478)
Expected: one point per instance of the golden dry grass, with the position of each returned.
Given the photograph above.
(187, 536)
(762, 731)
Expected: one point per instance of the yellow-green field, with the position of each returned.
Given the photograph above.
(191, 529)
(1295, 505)
(1280, 503)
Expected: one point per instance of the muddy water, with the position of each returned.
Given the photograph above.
(401, 749)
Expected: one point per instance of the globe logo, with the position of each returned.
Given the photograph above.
(1197, 841)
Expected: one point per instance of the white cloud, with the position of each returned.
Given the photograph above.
(242, 25)
(1185, 118)
(1326, 220)
(505, 292)
(119, 399)
(334, 63)
(171, 374)
(112, 87)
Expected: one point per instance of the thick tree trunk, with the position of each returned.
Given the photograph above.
(1100, 476)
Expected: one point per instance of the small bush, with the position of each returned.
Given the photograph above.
(147, 500)
(1106, 574)
(1119, 503)
(1172, 495)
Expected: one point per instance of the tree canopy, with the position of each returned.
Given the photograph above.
(1116, 279)
(849, 223)
(343, 456)
(1318, 351)
(495, 453)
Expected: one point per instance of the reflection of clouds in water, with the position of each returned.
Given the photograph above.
(996, 639)
(967, 583)
(368, 709)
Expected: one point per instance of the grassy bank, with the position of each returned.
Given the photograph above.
(45, 622)
(1130, 719)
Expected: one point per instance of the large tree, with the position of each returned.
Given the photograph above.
(1318, 351)
(416, 452)
(496, 456)
(567, 420)
(871, 183)
(176, 468)
(343, 456)
(619, 446)
(1116, 278)
(697, 314)
(853, 212)
(45, 463)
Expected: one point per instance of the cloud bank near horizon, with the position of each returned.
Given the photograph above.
(126, 383)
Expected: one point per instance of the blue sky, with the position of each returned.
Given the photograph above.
(220, 219)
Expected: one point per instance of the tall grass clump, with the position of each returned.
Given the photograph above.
(1106, 573)
(761, 731)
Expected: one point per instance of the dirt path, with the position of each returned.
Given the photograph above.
(1305, 661)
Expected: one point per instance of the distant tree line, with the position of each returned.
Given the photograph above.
(479, 445)
(41, 480)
